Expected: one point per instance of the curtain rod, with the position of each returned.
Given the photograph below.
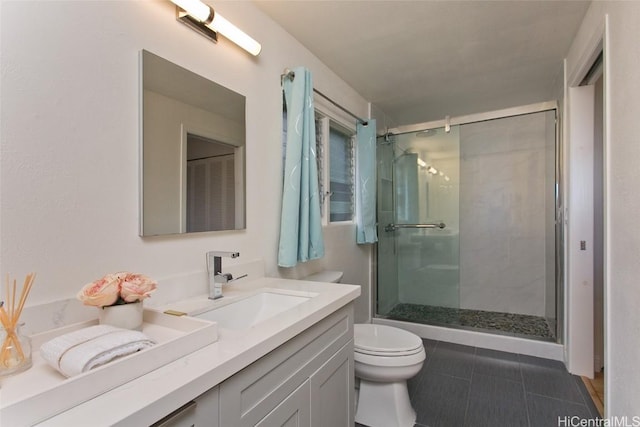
(288, 74)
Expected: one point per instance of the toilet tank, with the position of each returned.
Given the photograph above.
(325, 276)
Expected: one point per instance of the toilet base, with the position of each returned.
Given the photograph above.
(384, 405)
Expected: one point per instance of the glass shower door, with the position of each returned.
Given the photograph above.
(387, 263)
(490, 266)
(418, 217)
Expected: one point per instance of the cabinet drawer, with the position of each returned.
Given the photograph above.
(181, 417)
(254, 392)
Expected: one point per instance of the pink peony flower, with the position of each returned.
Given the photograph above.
(136, 287)
(102, 292)
(117, 288)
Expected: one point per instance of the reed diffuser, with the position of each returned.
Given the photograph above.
(15, 353)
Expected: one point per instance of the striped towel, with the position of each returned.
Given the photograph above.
(82, 350)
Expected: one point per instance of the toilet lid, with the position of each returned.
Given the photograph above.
(328, 276)
(385, 340)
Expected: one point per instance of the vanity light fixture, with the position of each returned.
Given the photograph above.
(208, 22)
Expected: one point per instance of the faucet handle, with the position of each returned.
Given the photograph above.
(223, 278)
(227, 278)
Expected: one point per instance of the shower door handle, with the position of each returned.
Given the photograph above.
(394, 227)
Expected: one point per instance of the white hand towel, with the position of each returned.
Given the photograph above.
(82, 350)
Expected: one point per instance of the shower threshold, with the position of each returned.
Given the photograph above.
(518, 325)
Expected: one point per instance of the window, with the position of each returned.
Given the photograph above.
(336, 163)
(340, 176)
(334, 148)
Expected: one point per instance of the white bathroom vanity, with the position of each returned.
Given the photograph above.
(292, 364)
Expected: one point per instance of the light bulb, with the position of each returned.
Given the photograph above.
(235, 34)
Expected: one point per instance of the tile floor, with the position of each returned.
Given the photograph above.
(520, 325)
(468, 386)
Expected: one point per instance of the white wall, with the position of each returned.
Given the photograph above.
(69, 135)
(622, 174)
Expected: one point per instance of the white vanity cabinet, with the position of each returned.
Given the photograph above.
(308, 381)
(202, 411)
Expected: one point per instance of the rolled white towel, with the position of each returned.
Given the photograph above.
(82, 350)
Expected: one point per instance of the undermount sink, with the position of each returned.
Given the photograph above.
(250, 311)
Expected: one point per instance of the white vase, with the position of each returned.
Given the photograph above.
(125, 316)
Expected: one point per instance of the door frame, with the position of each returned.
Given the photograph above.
(579, 326)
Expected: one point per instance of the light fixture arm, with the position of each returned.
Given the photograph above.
(196, 25)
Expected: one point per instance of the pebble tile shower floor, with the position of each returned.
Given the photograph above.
(474, 387)
(520, 325)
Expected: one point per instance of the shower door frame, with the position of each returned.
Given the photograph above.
(558, 195)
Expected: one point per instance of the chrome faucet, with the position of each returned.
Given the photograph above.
(216, 276)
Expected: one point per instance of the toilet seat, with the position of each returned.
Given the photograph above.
(390, 361)
(385, 341)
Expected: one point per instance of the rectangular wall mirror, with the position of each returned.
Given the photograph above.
(192, 152)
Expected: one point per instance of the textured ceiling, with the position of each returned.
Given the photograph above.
(419, 61)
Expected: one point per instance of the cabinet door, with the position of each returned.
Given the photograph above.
(208, 409)
(251, 394)
(332, 391)
(291, 412)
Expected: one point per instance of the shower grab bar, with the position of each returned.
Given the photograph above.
(394, 227)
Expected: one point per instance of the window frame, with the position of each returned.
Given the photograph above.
(328, 116)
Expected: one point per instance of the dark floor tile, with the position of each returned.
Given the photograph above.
(414, 384)
(545, 411)
(540, 362)
(415, 425)
(549, 378)
(429, 348)
(461, 385)
(442, 403)
(498, 364)
(452, 359)
(495, 401)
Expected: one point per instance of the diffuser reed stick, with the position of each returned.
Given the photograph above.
(12, 354)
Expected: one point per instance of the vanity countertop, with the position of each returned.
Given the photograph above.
(150, 397)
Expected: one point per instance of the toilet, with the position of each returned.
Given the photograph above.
(385, 358)
(327, 276)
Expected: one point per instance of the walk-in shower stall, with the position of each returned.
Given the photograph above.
(467, 225)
